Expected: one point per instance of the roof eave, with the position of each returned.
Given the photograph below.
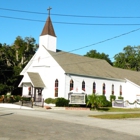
(98, 77)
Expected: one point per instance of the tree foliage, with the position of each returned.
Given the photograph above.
(12, 60)
(95, 54)
(128, 59)
(97, 101)
(92, 100)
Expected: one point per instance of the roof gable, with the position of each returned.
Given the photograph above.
(36, 79)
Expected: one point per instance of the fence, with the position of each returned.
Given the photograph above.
(28, 103)
(126, 104)
(118, 103)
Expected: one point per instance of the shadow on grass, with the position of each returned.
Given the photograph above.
(100, 109)
(103, 109)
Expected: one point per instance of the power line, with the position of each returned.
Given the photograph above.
(22, 11)
(81, 16)
(22, 18)
(91, 24)
(106, 40)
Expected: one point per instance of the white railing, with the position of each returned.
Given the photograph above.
(126, 104)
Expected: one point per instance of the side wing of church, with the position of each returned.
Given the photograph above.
(54, 73)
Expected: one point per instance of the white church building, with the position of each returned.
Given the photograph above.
(53, 73)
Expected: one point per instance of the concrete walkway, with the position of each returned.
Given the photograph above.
(8, 105)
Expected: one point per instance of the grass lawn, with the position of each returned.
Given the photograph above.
(110, 109)
(117, 116)
(124, 113)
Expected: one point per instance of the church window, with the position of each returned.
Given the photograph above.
(83, 85)
(71, 84)
(120, 90)
(112, 89)
(56, 88)
(94, 87)
(103, 88)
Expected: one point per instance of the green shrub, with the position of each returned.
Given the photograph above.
(109, 104)
(102, 101)
(26, 98)
(112, 97)
(7, 99)
(120, 97)
(16, 98)
(97, 101)
(61, 102)
(50, 100)
(74, 105)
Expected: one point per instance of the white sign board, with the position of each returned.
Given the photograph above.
(77, 98)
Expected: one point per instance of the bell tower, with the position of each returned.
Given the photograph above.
(48, 38)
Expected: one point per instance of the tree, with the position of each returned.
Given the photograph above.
(5, 70)
(24, 50)
(12, 60)
(92, 101)
(95, 54)
(97, 101)
(128, 59)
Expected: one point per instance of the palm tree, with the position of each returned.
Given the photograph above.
(92, 100)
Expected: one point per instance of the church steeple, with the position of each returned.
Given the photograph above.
(47, 38)
(48, 28)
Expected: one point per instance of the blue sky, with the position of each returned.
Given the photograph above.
(74, 36)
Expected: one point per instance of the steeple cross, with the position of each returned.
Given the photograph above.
(49, 9)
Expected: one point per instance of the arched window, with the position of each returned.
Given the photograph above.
(112, 89)
(103, 88)
(120, 90)
(94, 87)
(71, 84)
(83, 85)
(56, 88)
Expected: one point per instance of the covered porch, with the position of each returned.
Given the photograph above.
(32, 86)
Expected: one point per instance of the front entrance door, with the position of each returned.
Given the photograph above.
(38, 95)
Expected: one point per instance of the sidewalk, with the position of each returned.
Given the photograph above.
(18, 106)
(60, 110)
(9, 105)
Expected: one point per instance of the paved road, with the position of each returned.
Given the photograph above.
(41, 124)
